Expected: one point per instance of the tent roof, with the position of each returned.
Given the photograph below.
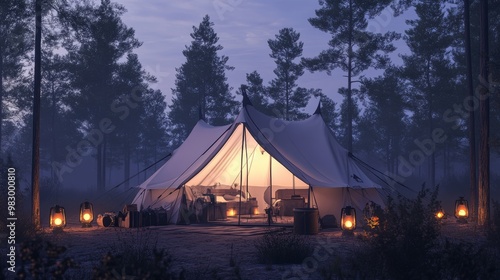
(306, 148)
(200, 146)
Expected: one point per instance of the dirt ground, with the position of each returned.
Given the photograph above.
(215, 251)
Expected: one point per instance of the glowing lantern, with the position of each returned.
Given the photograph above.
(57, 217)
(256, 211)
(86, 214)
(461, 209)
(348, 218)
(440, 214)
(231, 212)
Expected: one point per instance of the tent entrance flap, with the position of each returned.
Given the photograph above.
(244, 165)
(225, 168)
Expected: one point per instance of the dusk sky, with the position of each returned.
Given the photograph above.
(243, 28)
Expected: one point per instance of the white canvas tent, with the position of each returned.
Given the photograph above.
(257, 153)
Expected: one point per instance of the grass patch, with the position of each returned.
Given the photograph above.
(282, 248)
(40, 259)
(407, 245)
(135, 255)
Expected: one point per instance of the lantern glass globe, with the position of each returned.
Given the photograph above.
(348, 224)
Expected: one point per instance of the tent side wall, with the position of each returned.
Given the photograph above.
(148, 198)
(330, 201)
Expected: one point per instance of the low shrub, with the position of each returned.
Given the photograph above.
(282, 248)
(118, 266)
(494, 231)
(135, 255)
(408, 236)
(41, 259)
(407, 245)
(136, 246)
(465, 260)
(361, 263)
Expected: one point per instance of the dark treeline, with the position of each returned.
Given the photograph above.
(96, 97)
(98, 101)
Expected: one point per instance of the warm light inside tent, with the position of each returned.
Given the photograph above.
(231, 212)
(57, 217)
(86, 214)
(461, 209)
(225, 168)
(348, 218)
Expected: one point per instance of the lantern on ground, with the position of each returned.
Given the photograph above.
(57, 217)
(440, 214)
(348, 218)
(86, 214)
(461, 209)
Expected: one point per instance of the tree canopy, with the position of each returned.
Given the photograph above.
(201, 84)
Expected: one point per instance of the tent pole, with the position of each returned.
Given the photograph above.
(247, 195)
(241, 172)
(309, 197)
(270, 189)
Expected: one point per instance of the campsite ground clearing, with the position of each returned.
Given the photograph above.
(204, 250)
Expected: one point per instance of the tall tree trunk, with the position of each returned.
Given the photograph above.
(287, 97)
(35, 163)
(388, 155)
(203, 104)
(446, 161)
(104, 162)
(126, 173)
(432, 161)
(53, 140)
(99, 167)
(1, 96)
(472, 123)
(433, 170)
(349, 82)
(484, 111)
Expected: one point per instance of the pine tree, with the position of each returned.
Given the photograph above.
(494, 39)
(384, 119)
(140, 132)
(287, 98)
(329, 113)
(131, 85)
(349, 116)
(201, 84)
(257, 92)
(154, 137)
(484, 200)
(466, 57)
(429, 72)
(353, 49)
(58, 128)
(102, 39)
(15, 43)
